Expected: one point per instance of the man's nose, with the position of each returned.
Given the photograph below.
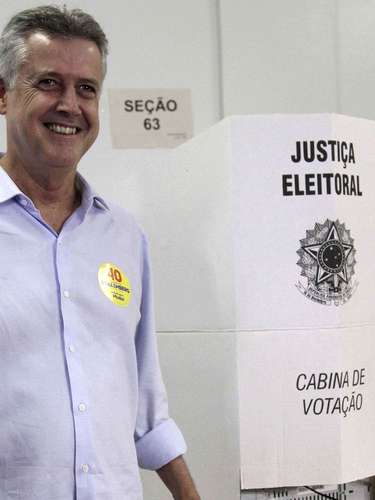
(69, 101)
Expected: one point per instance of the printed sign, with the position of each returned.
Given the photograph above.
(306, 406)
(303, 219)
(142, 119)
(304, 246)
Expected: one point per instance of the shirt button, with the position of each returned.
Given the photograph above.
(85, 468)
(72, 348)
(66, 294)
(23, 202)
(82, 407)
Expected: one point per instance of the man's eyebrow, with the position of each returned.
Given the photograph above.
(46, 74)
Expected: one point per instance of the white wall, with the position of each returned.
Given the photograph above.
(355, 54)
(278, 56)
(298, 56)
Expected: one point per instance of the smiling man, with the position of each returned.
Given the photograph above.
(82, 403)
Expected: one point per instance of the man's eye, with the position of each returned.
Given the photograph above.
(87, 89)
(48, 82)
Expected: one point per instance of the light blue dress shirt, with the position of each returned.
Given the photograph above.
(82, 402)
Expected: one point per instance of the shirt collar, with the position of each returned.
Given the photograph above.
(89, 196)
(8, 190)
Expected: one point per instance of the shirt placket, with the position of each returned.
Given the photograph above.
(85, 460)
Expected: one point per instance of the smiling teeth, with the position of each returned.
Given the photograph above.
(61, 129)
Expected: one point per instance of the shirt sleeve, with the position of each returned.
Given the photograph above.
(158, 440)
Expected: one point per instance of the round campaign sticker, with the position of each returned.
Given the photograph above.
(114, 284)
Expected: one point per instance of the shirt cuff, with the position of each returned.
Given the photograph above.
(159, 446)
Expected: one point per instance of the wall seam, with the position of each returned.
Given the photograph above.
(337, 56)
(219, 42)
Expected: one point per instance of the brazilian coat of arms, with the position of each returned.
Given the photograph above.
(327, 261)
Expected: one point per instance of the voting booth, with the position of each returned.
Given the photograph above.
(262, 232)
(303, 250)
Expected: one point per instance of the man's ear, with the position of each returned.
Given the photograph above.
(3, 98)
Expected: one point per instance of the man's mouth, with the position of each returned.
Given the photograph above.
(62, 129)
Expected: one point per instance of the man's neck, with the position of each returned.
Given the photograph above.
(55, 194)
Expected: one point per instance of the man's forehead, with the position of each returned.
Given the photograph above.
(45, 42)
(77, 57)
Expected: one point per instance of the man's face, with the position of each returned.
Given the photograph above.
(52, 112)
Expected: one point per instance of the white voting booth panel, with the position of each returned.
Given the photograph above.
(303, 237)
(293, 436)
(263, 227)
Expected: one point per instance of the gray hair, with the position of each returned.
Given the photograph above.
(53, 21)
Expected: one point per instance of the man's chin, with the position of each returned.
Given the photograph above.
(61, 162)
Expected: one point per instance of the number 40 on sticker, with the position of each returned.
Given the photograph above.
(115, 274)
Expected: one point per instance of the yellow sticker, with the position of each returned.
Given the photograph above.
(114, 284)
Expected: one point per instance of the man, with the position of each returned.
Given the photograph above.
(81, 400)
